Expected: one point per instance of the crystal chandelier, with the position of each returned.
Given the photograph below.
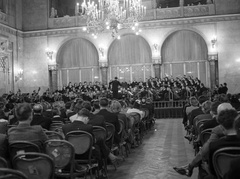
(112, 15)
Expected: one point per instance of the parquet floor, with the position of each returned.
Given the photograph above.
(163, 147)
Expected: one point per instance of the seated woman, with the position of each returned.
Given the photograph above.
(136, 109)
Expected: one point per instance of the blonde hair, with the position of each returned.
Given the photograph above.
(115, 106)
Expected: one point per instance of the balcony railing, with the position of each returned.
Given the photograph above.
(152, 14)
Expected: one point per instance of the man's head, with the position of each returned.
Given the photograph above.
(206, 107)
(87, 105)
(223, 107)
(193, 101)
(83, 115)
(23, 112)
(202, 99)
(37, 109)
(214, 107)
(227, 117)
(103, 103)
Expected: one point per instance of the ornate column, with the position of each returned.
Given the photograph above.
(214, 74)
(52, 71)
(157, 67)
(104, 72)
(156, 59)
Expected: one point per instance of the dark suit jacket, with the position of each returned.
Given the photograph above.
(210, 124)
(25, 132)
(58, 118)
(227, 141)
(45, 122)
(97, 120)
(194, 114)
(233, 173)
(113, 119)
(4, 146)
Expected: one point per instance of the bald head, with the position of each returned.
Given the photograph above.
(223, 107)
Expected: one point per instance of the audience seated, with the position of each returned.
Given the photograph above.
(202, 155)
(193, 105)
(81, 123)
(136, 108)
(94, 119)
(110, 118)
(56, 115)
(24, 131)
(213, 122)
(39, 119)
(226, 119)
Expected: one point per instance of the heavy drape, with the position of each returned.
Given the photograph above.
(78, 53)
(78, 61)
(184, 45)
(130, 49)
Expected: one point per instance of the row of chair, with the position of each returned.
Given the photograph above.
(60, 151)
(221, 158)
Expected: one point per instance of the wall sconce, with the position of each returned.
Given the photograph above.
(214, 41)
(19, 75)
(155, 47)
(49, 53)
(101, 50)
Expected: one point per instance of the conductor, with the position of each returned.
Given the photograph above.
(115, 84)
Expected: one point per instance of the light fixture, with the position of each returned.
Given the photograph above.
(155, 47)
(19, 75)
(49, 53)
(101, 50)
(214, 41)
(112, 15)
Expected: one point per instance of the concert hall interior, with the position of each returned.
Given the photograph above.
(161, 68)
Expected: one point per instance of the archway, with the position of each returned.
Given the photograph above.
(185, 52)
(77, 60)
(130, 59)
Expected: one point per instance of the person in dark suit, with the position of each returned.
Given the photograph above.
(25, 132)
(94, 119)
(56, 115)
(194, 113)
(213, 122)
(216, 134)
(114, 86)
(81, 123)
(227, 120)
(110, 118)
(39, 119)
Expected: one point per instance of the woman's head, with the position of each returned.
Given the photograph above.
(115, 106)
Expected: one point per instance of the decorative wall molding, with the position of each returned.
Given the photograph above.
(3, 17)
(145, 24)
(168, 13)
(190, 11)
(52, 67)
(212, 57)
